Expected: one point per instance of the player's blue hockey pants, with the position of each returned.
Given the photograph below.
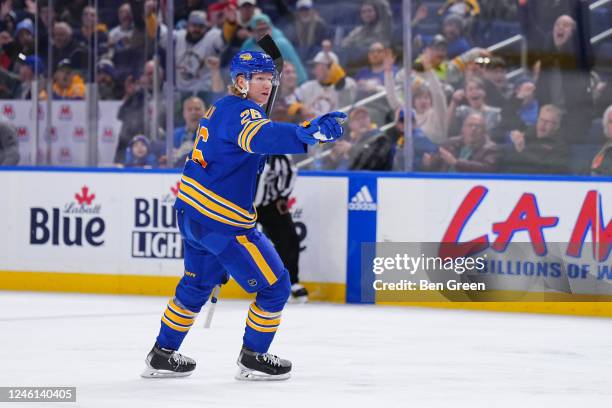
(209, 256)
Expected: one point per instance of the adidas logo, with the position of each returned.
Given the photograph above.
(362, 201)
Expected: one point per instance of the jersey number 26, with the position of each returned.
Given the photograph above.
(201, 138)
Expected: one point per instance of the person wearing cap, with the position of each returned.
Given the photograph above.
(261, 25)
(197, 55)
(29, 68)
(108, 87)
(494, 74)
(22, 43)
(67, 84)
(24, 33)
(308, 30)
(330, 89)
(139, 153)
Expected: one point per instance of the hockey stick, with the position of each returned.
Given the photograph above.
(268, 45)
(211, 307)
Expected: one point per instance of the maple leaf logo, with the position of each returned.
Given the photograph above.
(83, 197)
(291, 202)
(175, 189)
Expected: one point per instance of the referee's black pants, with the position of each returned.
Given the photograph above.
(278, 226)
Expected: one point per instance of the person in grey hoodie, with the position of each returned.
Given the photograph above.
(9, 149)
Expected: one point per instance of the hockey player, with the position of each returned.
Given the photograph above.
(217, 220)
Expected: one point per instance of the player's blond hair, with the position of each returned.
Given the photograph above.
(233, 90)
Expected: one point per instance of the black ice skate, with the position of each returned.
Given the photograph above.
(299, 294)
(255, 366)
(164, 363)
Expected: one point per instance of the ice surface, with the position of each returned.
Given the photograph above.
(343, 356)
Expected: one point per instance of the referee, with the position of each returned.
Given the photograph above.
(274, 188)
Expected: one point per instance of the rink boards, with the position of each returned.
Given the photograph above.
(114, 231)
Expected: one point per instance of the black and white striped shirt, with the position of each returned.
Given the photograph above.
(276, 181)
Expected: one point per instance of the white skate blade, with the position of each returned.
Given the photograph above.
(246, 374)
(151, 372)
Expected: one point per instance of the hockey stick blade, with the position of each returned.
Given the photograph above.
(268, 45)
(211, 306)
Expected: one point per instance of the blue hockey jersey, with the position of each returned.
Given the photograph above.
(218, 184)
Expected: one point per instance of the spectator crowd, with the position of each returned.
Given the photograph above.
(546, 109)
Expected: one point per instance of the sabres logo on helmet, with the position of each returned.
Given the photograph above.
(248, 63)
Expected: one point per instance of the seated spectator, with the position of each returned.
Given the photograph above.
(331, 89)
(497, 88)
(149, 31)
(454, 71)
(371, 79)
(236, 26)
(197, 52)
(421, 144)
(108, 86)
(375, 26)
(23, 43)
(183, 9)
(308, 30)
(9, 147)
(262, 25)
(184, 136)
(519, 113)
(119, 37)
(65, 47)
(460, 7)
(86, 35)
(361, 150)
(139, 154)
(136, 112)
(474, 94)
(67, 83)
(288, 85)
(471, 152)
(24, 34)
(8, 21)
(602, 162)
(29, 69)
(452, 30)
(7, 45)
(428, 97)
(563, 78)
(539, 150)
